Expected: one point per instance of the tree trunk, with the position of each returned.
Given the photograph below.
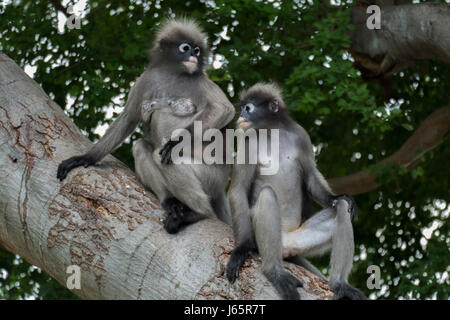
(101, 219)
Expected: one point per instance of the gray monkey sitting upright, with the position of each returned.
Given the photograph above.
(188, 192)
(272, 213)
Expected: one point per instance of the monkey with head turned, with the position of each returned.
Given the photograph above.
(272, 213)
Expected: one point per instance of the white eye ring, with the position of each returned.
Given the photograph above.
(184, 47)
(197, 51)
(249, 107)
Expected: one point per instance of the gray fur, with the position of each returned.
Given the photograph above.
(179, 98)
(270, 207)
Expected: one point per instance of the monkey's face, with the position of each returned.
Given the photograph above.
(247, 114)
(257, 113)
(185, 55)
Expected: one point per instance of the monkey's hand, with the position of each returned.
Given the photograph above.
(166, 151)
(352, 207)
(147, 109)
(67, 165)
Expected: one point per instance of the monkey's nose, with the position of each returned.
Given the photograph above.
(242, 123)
(241, 119)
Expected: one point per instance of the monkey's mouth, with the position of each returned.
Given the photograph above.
(242, 123)
(191, 64)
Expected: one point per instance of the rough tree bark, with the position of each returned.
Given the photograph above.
(101, 218)
(409, 32)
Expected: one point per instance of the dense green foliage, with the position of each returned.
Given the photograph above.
(403, 226)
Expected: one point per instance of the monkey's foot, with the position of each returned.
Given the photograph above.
(286, 285)
(344, 291)
(237, 259)
(179, 215)
(173, 221)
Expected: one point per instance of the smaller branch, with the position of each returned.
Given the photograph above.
(428, 136)
(58, 6)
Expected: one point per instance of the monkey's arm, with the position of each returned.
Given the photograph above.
(238, 195)
(122, 127)
(219, 111)
(316, 185)
(217, 116)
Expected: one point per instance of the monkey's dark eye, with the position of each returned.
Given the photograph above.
(184, 47)
(197, 51)
(249, 107)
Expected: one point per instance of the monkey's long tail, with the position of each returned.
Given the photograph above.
(343, 246)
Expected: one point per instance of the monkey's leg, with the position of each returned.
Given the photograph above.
(183, 182)
(222, 208)
(329, 228)
(150, 175)
(147, 171)
(267, 226)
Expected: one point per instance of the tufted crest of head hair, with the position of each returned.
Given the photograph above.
(264, 91)
(185, 28)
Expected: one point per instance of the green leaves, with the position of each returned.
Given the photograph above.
(407, 126)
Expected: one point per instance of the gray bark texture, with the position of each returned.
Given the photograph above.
(408, 32)
(101, 219)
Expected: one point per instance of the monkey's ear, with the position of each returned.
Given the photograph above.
(274, 105)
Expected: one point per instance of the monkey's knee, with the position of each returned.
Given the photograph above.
(341, 206)
(266, 202)
(141, 148)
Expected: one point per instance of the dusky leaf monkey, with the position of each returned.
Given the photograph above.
(272, 213)
(188, 192)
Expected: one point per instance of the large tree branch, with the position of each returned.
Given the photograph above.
(101, 219)
(427, 137)
(408, 33)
